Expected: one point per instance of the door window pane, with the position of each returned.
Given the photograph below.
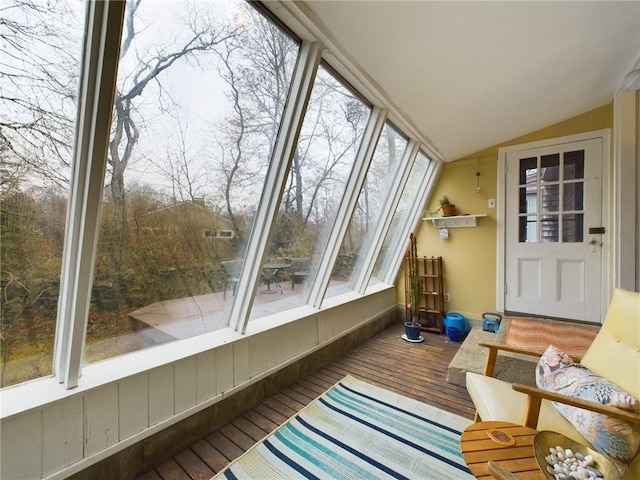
(200, 92)
(550, 168)
(549, 228)
(549, 198)
(528, 170)
(324, 157)
(528, 228)
(41, 52)
(528, 199)
(573, 196)
(573, 227)
(574, 165)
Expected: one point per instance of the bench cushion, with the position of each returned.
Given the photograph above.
(616, 439)
(496, 400)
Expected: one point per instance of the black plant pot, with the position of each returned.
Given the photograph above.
(412, 331)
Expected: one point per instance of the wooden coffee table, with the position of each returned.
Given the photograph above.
(511, 447)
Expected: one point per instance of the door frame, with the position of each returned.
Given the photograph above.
(605, 136)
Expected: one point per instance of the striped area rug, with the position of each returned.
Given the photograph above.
(537, 334)
(359, 431)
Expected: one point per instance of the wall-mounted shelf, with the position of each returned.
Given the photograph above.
(455, 221)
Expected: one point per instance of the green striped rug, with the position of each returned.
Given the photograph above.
(359, 431)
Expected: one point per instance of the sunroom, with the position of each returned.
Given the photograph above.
(146, 145)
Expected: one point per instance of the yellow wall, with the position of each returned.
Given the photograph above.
(469, 254)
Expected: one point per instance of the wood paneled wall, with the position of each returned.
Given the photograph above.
(60, 439)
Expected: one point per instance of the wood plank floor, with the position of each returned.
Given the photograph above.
(416, 370)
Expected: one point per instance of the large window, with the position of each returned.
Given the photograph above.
(324, 157)
(186, 235)
(201, 89)
(39, 57)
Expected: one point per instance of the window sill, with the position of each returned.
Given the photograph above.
(37, 393)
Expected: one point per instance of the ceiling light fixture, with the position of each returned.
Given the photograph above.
(632, 80)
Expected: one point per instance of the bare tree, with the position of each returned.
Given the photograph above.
(234, 155)
(256, 66)
(187, 176)
(39, 55)
(149, 67)
(330, 138)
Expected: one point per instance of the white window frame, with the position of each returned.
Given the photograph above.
(274, 183)
(377, 235)
(103, 30)
(347, 206)
(413, 219)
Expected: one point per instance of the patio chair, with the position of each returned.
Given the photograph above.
(299, 268)
(613, 355)
(231, 275)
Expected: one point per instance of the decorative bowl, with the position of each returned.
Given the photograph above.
(545, 440)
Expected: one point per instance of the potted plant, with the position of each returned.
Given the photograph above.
(447, 207)
(412, 326)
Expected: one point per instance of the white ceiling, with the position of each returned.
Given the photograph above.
(469, 75)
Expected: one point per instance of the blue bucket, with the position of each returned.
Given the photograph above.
(454, 334)
(457, 320)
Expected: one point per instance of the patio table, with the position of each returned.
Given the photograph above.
(270, 276)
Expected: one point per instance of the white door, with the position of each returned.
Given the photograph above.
(553, 231)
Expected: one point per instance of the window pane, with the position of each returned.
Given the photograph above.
(573, 227)
(382, 170)
(574, 165)
(573, 196)
(400, 217)
(528, 199)
(550, 168)
(528, 228)
(528, 170)
(41, 52)
(549, 198)
(549, 228)
(324, 157)
(192, 134)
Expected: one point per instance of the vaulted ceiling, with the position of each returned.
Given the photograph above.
(469, 75)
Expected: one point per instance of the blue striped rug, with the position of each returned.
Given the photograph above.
(359, 431)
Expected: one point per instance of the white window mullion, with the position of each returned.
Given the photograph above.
(103, 28)
(347, 206)
(386, 216)
(414, 218)
(267, 213)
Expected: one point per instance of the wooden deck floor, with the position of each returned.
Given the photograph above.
(415, 370)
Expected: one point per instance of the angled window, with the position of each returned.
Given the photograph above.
(200, 92)
(403, 217)
(40, 52)
(197, 120)
(330, 136)
(383, 168)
